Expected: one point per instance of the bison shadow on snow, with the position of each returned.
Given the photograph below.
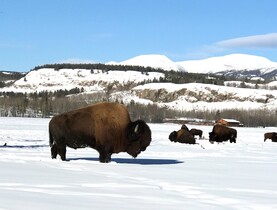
(143, 161)
(22, 146)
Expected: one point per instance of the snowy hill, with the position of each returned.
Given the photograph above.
(127, 86)
(49, 79)
(201, 97)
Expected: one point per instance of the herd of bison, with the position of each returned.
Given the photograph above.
(107, 128)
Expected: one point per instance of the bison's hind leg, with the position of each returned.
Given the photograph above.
(54, 151)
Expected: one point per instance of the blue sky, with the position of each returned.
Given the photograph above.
(37, 32)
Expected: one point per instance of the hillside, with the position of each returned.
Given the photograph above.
(49, 79)
(142, 88)
(151, 93)
(8, 77)
(200, 97)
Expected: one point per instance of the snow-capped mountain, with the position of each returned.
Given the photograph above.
(154, 61)
(236, 62)
(236, 65)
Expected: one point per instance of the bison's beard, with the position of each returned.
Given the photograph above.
(136, 148)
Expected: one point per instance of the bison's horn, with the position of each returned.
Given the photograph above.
(136, 129)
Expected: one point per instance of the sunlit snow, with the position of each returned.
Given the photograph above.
(166, 176)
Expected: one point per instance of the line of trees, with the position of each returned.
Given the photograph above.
(99, 66)
(46, 104)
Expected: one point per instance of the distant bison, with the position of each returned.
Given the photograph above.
(272, 136)
(105, 127)
(222, 133)
(182, 136)
(196, 132)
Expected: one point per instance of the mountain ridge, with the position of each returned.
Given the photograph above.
(231, 65)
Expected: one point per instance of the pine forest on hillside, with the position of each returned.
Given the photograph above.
(46, 104)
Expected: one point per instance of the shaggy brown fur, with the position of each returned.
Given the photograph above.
(182, 136)
(106, 127)
(222, 133)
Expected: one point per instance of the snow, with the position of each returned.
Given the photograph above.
(166, 176)
(196, 97)
(240, 98)
(209, 65)
(228, 62)
(48, 79)
(154, 61)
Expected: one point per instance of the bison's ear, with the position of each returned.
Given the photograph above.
(135, 129)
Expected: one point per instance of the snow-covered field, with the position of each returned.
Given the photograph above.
(166, 176)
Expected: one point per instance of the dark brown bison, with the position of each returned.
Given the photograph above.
(105, 127)
(196, 132)
(182, 136)
(272, 136)
(222, 133)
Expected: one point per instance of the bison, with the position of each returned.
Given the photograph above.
(182, 136)
(105, 127)
(222, 133)
(272, 136)
(196, 132)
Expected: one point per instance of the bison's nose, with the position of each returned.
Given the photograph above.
(143, 149)
(135, 155)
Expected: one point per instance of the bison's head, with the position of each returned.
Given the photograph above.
(173, 136)
(139, 137)
(212, 136)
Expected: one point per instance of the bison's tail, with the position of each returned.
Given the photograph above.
(51, 139)
(135, 129)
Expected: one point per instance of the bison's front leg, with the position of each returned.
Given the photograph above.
(62, 152)
(104, 155)
(232, 140)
